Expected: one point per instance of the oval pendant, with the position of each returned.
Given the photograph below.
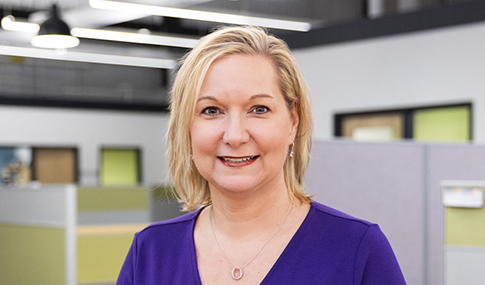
(233, 273)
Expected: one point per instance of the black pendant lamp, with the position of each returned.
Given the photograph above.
(54, 33)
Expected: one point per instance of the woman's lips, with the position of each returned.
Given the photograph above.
(237, 161)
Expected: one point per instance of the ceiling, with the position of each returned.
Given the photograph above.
(78, 13)
(43, 80)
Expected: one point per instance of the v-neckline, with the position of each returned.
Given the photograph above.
(266, 278)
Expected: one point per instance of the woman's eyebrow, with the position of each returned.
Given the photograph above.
(260, 96)
(251, 98)
(207, 98)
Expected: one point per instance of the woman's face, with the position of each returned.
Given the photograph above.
(242, 128)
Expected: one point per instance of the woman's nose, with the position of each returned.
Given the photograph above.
(235, 132)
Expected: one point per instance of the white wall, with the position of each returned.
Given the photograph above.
(442, 66)
(89, 130)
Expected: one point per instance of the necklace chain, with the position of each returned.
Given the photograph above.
(237, 268)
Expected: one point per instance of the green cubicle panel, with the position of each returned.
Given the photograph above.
(448, 124)
(464, 232)
(102, 251)
(464, 226)
(464, 213)
(32, 255)
(112, 198)
(108, 218)
(120, 166)
(37, 235)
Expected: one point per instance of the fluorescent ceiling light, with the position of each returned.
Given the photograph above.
(88, 57)
(133, 37)
(54, 41)
(200, 15)
(9, 24)
(43, 41)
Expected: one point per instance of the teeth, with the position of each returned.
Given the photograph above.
(235, 160)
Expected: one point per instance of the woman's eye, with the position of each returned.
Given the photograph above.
(211, 111)
(260, 109)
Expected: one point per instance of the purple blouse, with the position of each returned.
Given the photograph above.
(330, 247)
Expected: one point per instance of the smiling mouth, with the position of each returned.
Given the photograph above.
(238, 160)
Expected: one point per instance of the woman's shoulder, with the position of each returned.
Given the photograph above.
(356, 248)
(337, 214)
(176, 226)
(340, 230)
(334, 220)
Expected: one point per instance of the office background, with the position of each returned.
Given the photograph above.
(356, 65)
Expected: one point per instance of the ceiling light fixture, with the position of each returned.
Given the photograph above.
(134, 37)
(54, 33)
(88, 57)
(9, 24)
(200, 15)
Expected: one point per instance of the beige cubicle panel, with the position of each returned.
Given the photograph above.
(54, 165)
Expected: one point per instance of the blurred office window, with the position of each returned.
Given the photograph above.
(54, 165)
(120, 166)
(451, 123)
(373, 127)
(7, 157)
(15, 165)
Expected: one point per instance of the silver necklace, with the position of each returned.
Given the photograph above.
(237, 271)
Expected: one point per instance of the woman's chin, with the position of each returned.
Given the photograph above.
(236, 186)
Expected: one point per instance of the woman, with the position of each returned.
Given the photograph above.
(238, 145)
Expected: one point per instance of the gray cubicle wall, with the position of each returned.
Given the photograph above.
(450, 162)
(397, 186)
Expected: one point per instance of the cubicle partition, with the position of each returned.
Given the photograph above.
(38, 235)
(464, 252)
(108, 217)
(397, 185)
(61, 234)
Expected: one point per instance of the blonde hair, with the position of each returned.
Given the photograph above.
(192, 189)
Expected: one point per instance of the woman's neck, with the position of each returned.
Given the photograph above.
(245, 215)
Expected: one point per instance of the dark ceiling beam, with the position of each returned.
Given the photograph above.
(167, 25)
(81, 104)
(432, 18)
